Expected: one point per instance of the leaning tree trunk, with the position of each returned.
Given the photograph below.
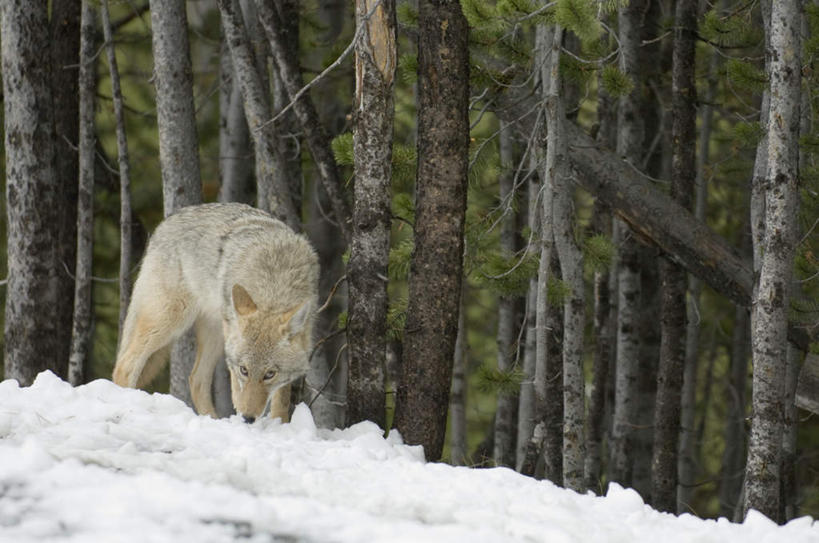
(369, 252)
(178, 146)
(82, 323)
(437, 261)
(32, 202)
(504, 446)
(255, 96)
(673, 276)
(287, 66)
(769, 318)
(65, 50)
(125, 259)
(629, 146)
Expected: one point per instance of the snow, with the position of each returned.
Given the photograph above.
(101, 463)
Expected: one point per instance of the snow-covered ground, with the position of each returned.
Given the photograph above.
(100, 463)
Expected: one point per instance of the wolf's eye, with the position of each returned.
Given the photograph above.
(243, 370)
(269, 375)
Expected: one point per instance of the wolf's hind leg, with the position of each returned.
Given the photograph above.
(146, 336)
(209, 349)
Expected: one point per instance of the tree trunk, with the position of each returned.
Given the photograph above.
(288, 70)
(436, 263)
(790, 486)
(369, 252)
(685, 466)
(32, 201)
(458, 454)
(82, 324)
(125, 259)
(505, 415)
(255, 96)
(65, 50)
(178, 146)
(527, 408)
(571, 266)
(236, 162)
(769, 319)
(629, 146)
(673, 277)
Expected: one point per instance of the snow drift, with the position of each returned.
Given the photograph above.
(101, 463)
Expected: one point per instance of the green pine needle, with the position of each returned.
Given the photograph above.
(580, 17)
(493, 380)
(396, 319)
(748, 134)
(399, 260)
(557, 291)
(746, 76)
(616, 82)
(598, 252)
(343, 149)
(403, 207)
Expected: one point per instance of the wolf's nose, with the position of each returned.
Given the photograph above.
(248, 419)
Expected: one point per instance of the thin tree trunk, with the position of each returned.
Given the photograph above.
(82, 324)
(769, 318)
(178, 145)
(458, 454)
(673, 277)
(65, 40)
(553, 389)
(629, 146)
(527, 409)
(692, 336)
(571, 266)
(288, 70)
(436, 263)
(505, 415)
(273, 199)
(369, 252)
(790, 485)
(235, 156)
(125, 259)
(31, 343)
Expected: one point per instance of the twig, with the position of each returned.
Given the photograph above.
(331, 294)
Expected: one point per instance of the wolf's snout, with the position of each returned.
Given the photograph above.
(248, 419)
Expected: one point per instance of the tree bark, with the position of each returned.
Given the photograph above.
(629, 146)
(65, 52)
(769, 316)
(178, 145)
(673, 276)
(31, 342)
(436, 263)
(505, 339)
(236, 163)
(571, 267)
(458, 453)
(288, 70)
(82, 322)
(369, 252)
(125, 258)
(255, 96)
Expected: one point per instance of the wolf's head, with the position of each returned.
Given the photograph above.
(264, 351)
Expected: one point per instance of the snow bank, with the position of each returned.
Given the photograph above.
(100, 463)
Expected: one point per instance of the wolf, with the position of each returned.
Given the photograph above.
(246, 283)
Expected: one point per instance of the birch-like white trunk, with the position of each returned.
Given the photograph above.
(236, 163)
(82, 324)
(770, 310)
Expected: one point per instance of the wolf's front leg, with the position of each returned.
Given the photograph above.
(280, 404)
(209, 350)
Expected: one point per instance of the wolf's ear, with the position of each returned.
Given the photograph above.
(242, 301)
(300, 318)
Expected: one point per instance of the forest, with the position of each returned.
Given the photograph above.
(575, 238)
